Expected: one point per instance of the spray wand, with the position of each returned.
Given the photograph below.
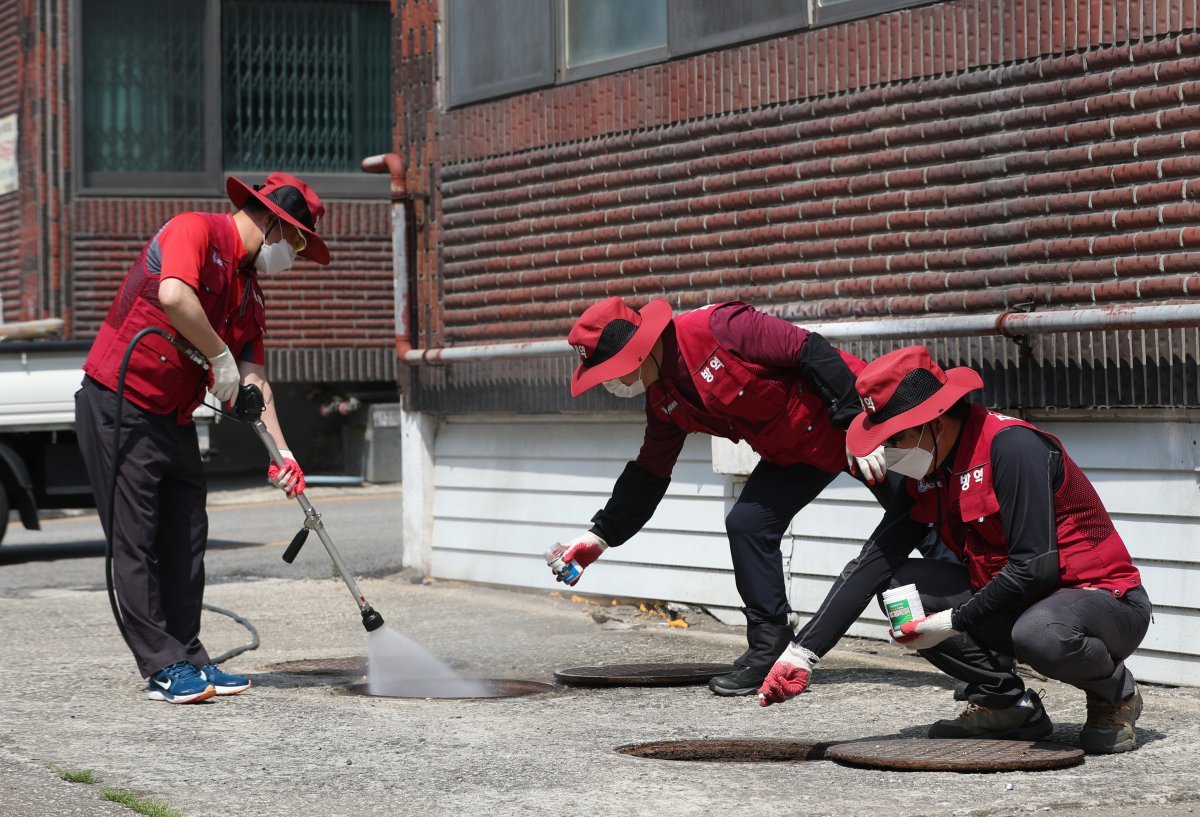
(249, 409)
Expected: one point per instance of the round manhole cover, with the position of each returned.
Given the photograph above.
(458, 689)
(728, 750)
(641, 674)
(322, 666)
(955, 755)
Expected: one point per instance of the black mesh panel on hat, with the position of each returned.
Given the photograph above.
(293, 203)
(915, 388)
(613, 338)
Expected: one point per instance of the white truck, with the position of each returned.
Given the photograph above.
(40, 463)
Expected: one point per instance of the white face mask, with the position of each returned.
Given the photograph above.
(277, 257)
(620, 389)
(910, 462)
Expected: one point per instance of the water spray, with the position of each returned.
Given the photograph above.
(249, 410)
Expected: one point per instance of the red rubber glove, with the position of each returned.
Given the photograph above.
(584, 549)
(288, 478)
(789, 677)
(926, 632)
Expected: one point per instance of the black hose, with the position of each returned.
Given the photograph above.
(112, 500)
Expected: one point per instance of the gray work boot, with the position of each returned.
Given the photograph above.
(1109, 728)
(766, 641)
(1025, 720)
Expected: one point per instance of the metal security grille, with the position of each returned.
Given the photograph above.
(143, 85)
(306, 84)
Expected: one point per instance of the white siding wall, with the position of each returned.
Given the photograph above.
(506, 488)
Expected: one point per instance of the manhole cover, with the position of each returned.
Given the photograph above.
(322, 666)
(641, 674)
(955, 755)
(470, 688)
(729, 750)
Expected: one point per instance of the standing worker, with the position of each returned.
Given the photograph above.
(1044, 576)
(197, 280)
(733, 372)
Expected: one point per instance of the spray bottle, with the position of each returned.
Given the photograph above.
(570, 571)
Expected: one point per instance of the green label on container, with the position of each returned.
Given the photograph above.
(899, 612)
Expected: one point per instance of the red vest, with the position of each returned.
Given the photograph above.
(1090, 551)
(161, 378)
(777, 411)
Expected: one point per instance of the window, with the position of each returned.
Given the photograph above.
(175, 94)
(602, 36)
(499, 47)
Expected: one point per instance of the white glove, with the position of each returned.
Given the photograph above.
(926, 632)
(225, 376)
(873, 466)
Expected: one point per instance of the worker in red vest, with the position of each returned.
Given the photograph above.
(730, 371)
(197, 279)
(1044, 577)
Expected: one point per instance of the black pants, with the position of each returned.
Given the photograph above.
(774, 494)
(159, 525)
(1075, 635)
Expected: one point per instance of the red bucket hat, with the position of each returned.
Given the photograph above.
(902, 390)
(290, 199)
(612, 340)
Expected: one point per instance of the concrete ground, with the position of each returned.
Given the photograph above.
(299, 745)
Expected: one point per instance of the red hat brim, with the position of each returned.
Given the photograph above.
(863, 436)
(314, 248)
(655, 317)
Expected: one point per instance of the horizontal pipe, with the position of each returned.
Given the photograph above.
(1009, 324)
(31, 329)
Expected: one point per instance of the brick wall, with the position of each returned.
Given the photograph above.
(62, 255)
(10, 206)
(961, 157)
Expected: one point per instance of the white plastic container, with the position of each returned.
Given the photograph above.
(903, 604)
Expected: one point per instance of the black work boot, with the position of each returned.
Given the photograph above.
(1024, 720)
(1109, 728)
(767, 640)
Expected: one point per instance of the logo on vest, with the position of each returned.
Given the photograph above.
(669, 407)
(924, 485)
(218, 260)
(714, 364)
(967, 477)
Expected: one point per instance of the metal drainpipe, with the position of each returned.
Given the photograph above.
(1011, 323)
(392, 164)
(25, 330)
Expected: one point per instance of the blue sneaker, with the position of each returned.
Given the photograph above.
(223, 682)
(179, 684)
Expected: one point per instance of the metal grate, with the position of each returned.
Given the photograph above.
(641, 674)
(727, 750)
(143, 85)
(306, 84)
(964, 755)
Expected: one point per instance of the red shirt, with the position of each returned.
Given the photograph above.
(204, 250)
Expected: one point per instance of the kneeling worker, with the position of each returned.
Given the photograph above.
(1045, 577)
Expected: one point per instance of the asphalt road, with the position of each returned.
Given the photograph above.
(250, 525)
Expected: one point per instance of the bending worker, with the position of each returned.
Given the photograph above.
(733, 372)
(196, 279)
(1044, 576)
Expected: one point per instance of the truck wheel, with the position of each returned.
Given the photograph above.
(3, 511)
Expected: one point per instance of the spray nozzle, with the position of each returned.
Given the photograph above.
(371, 619)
